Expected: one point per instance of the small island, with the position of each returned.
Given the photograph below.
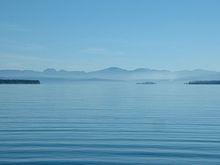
(146, 83)
(211, 82)
(16, 81)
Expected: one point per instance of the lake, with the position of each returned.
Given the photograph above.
(109, 123)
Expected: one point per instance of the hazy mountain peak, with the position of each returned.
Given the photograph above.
(112, 69)
(115, 68)
(50, 70)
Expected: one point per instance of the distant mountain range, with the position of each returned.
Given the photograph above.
(113, 73)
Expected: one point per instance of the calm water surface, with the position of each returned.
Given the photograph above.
(109, 123)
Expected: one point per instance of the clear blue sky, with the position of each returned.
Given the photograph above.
(94, 34)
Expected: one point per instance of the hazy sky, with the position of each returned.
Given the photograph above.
(94, 34)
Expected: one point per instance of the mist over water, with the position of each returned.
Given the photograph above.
(109, 123)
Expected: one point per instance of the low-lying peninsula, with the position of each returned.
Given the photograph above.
(15, 81)
(211, 82)
(146, 83)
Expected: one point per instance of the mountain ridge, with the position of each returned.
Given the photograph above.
(115, 73)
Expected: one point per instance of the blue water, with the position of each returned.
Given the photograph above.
(109, 123)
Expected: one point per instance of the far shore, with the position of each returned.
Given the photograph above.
(207, 82)
(18, 81)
